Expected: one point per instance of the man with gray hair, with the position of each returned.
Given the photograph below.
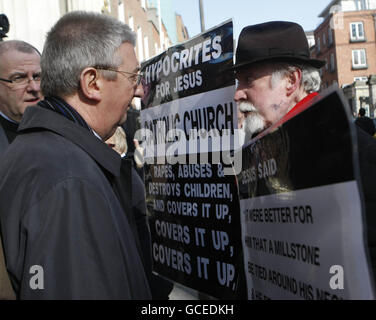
(19, 86)
(275, 74)
(65, 229)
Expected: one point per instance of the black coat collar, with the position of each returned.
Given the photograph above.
(37, 118)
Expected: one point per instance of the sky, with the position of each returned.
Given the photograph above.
(247, 12)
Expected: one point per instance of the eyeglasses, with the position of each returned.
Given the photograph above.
(22, 79)
(135, 78)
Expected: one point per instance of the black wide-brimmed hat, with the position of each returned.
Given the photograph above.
(276, 40)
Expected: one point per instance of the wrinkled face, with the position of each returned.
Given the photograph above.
(262, 102)
(14, 98)
(120, 92)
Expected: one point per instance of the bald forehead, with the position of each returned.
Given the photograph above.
(13, 61)
(16, 45)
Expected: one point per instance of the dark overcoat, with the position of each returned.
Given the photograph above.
(59, 214)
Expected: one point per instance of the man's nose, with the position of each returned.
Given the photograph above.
(139, 92)
(33, 85)
(240, 95)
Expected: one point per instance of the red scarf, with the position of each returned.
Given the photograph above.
(300, 106)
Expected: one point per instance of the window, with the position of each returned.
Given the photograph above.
(318, 45)
(146, 46)
(359, 60)
(326, 64)
(332, 63)
(121, 12)
(131, 23)
(361, 5)
(143, 4)
(357, 31)
(323, 39)
(330, 37)
(139, 44)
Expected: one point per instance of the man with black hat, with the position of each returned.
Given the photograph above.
(276, 77)
(275, 73)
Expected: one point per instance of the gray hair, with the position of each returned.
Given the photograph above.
(17, 45)
(77, 41)
(311, 80)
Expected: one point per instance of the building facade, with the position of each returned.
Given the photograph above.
(168, 16)
(346, 40)
(181, 30)
(135, 14)
(173, 22)
(30, 20)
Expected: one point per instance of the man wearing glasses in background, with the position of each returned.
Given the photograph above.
(65, 226)
(19, 86)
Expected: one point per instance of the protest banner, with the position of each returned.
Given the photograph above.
(188, 111)
(302, 216)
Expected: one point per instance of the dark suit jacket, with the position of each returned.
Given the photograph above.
(3, 140)
(160, 288)
(6, 290)
(58, 210)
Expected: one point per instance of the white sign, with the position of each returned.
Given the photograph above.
(210, 116)
(279, 264)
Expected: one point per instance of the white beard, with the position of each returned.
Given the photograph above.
(253, 122)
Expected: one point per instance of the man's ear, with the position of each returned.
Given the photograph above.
(90, 83)
(293, 81)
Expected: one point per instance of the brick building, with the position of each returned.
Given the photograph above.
(173, 21)
(142, 19)
(346, 41)
(182, 32)
(137, 15)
